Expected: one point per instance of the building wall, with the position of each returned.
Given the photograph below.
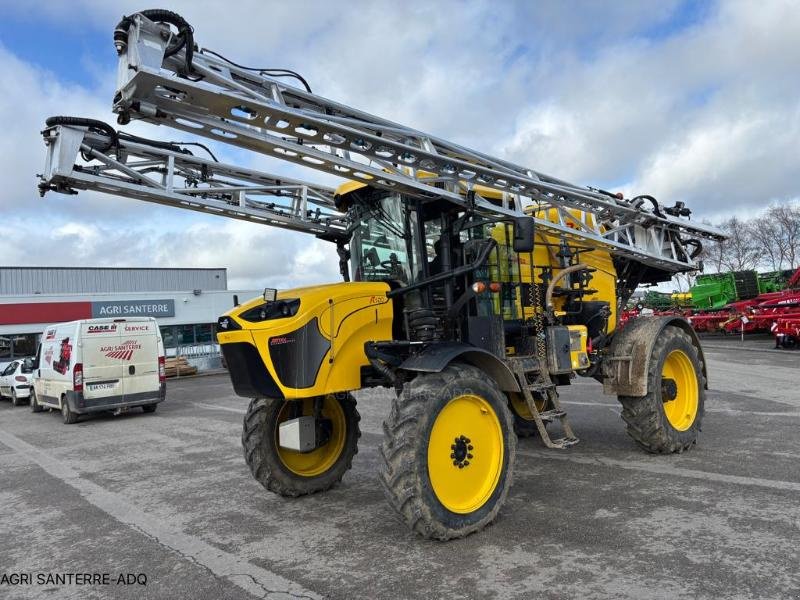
(18, 281)
(23, 318)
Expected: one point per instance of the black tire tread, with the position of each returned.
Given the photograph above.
(35, 406)
(643, 416)
(267, 468)
(400, 480)
(70, 418)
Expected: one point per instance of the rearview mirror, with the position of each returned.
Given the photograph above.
(523, 234)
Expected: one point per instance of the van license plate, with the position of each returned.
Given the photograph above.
(102, 386)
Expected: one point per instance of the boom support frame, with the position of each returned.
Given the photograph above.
(172, 178)
(209, 96)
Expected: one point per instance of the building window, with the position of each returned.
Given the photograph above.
(186, 334)
(204, 333)
(168, 337)
(24, 345)
(18, 346)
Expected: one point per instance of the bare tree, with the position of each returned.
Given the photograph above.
(683, 282)
(739, 252)
(712, 254)
(766, 234)
(787, 219)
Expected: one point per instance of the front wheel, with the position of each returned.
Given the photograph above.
(291, 473)
(669, 417)
(448, 452)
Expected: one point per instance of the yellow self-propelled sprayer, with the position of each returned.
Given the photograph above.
(472, 287)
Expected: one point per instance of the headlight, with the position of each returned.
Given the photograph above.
(280, 309)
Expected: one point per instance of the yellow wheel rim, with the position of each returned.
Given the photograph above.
(521, 408)
(311, 464)
(682, 410)
(465, 453)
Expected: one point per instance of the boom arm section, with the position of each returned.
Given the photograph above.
(164, 79)
(94, 157)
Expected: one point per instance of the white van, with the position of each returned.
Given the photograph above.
(93, 365)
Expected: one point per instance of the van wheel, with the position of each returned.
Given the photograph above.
(67, 414)
(35, 406)
(149, 408)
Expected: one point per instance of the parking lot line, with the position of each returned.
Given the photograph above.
(255, 580)
(712, 409)
(239, 411)
(665, 469)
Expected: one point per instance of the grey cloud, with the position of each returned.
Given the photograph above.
(707, 114)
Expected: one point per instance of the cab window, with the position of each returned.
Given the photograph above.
(380, 249)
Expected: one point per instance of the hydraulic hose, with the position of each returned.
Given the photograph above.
(91, 124)
(548, 297)
(115, 136)
(185, 37)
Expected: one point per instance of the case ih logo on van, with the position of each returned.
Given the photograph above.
(110, 328)
(123, 351)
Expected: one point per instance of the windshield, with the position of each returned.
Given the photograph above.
(381, 246)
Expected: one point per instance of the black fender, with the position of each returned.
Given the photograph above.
(435, 357)
(627, 360)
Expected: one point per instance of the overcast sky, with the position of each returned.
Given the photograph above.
(691, 101)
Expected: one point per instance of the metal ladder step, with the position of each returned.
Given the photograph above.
(545, 386)
(564, 443)
(550, 415)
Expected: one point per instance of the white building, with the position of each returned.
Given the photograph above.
(185, 302)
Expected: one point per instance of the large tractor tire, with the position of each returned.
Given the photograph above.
(524, 425)
(448, 452)
(288, 472)
(668, 419)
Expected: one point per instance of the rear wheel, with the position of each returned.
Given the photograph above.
(668, 419)
(67, 415)
(15, 401)
(448, 452)
(35, 406)
(149, 408)
(291, 473)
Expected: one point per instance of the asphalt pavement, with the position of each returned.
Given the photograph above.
(164, 506)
